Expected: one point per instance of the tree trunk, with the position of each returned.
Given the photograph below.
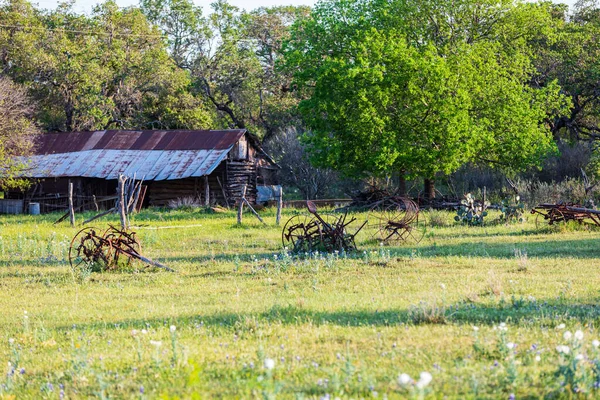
(69, 111)
(429, 189)
(402, 184)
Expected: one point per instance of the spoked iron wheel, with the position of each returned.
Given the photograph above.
(87, 249)
(118, 243)
(304, 233)
(397, 220)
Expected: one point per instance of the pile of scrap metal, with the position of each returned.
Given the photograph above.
(374, 197)
(106, 250)
(316, 232)
(565, 212)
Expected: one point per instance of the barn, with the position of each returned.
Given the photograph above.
(210, 167)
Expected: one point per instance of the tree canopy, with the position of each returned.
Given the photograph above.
(422, 87)
(17, 131)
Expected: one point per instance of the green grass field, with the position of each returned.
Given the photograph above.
(481, 309)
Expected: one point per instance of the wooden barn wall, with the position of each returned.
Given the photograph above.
(245, 165)
(161, 192)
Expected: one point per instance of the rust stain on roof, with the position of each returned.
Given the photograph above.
(53, 143)
(151, 155)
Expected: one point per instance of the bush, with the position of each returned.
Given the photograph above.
(568, 191)
(185, 203)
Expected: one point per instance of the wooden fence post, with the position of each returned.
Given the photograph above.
(279, 205)
(121, 200)
(206, 192)
(241, 205)
(71, 209)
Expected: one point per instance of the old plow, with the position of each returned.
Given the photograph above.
(107, 250)
(396, 219)
(557, 213)
(319, 232)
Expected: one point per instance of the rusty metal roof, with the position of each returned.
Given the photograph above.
(151, 155)
(52, 143)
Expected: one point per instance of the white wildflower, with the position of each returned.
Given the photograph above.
(269, 363)
(579, 357)
(404, 379)
(561, 326)
(511, 345)
(475, 328)
(156, 343)
(563, 349)
(595, 343)
(134, 332)
(579, 335)
(538, 358)
(172, 328)
(144, 332)
(424, 379)
(567, 335)
(11, 340)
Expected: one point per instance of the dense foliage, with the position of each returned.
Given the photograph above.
(423, 87)
(379, 88)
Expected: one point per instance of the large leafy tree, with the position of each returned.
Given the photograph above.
(571, 56)
(421, 87)
(17, 131)
(110, 69)
(233, 58)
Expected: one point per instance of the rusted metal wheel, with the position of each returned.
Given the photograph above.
(120, 243)
(397, 219)
(89, 249)
(305, 233)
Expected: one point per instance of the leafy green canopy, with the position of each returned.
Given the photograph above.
(109, 69)
(421, 87)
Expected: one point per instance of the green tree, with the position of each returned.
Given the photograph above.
(110, 69)
(17, 131)
(421, 88)
(571, 56)
(232, 56)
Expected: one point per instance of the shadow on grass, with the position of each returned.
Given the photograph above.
(526, 313)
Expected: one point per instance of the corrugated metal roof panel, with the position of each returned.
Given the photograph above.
(106, 137)
(148, 140)
(152, 155)
(108, 164)
(52, 143)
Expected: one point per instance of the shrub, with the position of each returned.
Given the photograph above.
(437, 218)
(188, 203)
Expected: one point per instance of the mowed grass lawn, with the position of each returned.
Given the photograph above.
(480, 309)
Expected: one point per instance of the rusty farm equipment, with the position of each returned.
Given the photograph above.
(106, 250)
(312, 232)
(396, 219)
(557, 213)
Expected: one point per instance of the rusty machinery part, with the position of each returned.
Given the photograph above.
(396, 219)
(304, 232)
(316, 232)
(105, 250)
(557, 213)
